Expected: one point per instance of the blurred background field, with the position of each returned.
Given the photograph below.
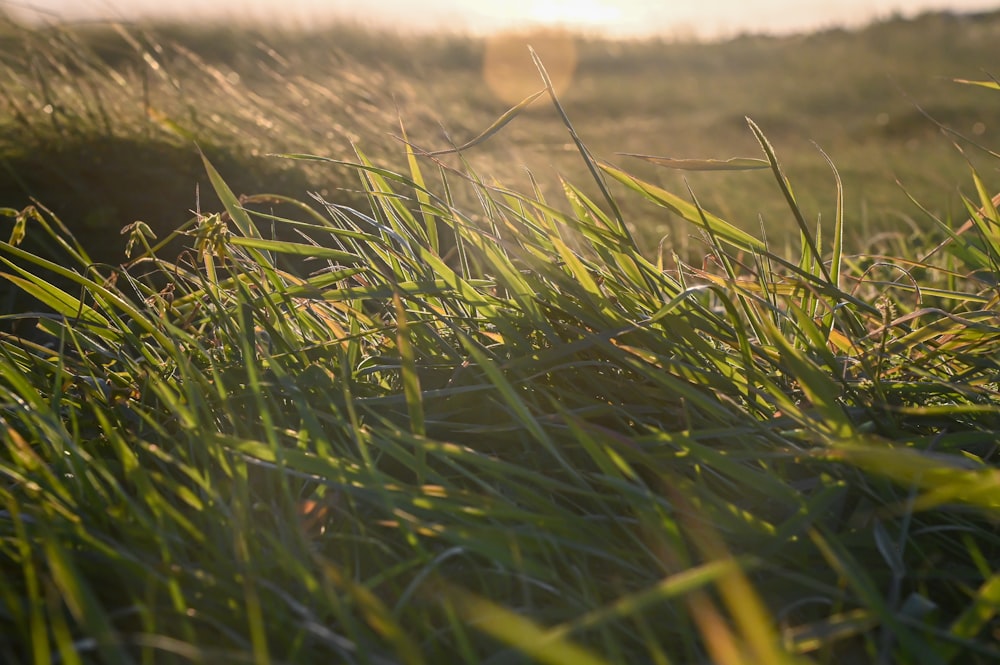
(102, 123)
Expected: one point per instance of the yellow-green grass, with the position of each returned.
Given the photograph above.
(100, 122)
(453, 419)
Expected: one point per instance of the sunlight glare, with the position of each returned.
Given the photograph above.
(575, 13)
(509, 70)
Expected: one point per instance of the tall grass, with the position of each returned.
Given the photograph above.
(413, 431)
(100, 122)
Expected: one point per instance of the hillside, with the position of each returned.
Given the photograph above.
(101, 123)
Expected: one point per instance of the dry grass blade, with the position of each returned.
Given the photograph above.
(732, 164)
(493, 129)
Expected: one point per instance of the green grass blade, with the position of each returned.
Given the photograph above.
(297, 249)
(517, 631)
(782, 181)
(591, 164)
(685, 210)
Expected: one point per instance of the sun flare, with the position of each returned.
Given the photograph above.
(574, 13)
(508, 68)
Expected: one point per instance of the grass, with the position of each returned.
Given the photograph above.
(457, 421)
(99, 122)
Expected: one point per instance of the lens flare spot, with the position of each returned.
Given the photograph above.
(509, 71)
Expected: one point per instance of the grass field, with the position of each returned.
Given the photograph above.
(100, 125)
(365, 404)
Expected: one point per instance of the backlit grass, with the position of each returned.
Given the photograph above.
(100, 122)
(455, 420)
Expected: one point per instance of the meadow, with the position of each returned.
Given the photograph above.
(101, 124)
(317, 348)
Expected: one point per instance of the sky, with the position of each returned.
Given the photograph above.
(620, 18)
